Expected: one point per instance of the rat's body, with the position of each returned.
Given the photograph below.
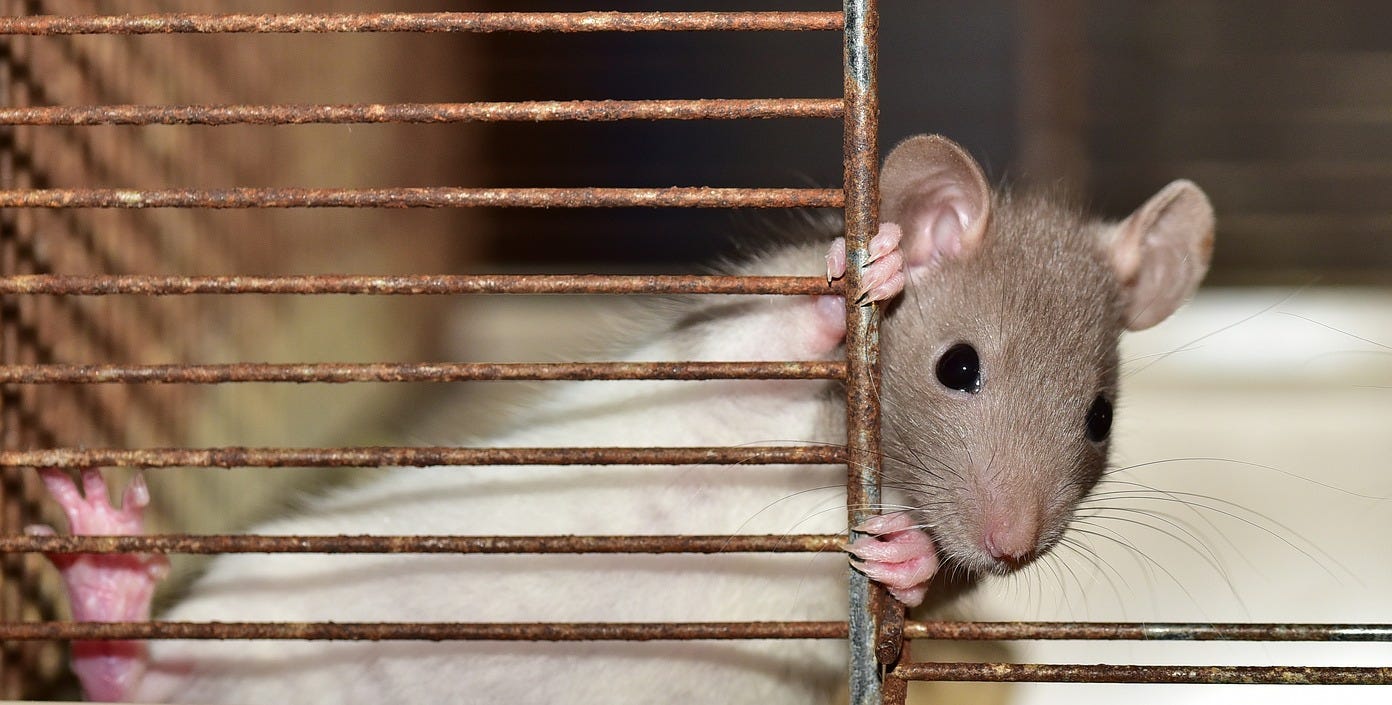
(525, 588)
(993, 466)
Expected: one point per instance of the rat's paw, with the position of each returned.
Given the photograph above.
(883, 278)
(89, 511)
(898, 555)
(103, 587)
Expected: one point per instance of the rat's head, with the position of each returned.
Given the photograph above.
(1000, 362)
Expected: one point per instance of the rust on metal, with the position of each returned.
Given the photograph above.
(894, 690)
(438, 284)
(1140, 631)
(425, 197)
(214, 544)
(1107, 673)
(362, 457)
(875, 642)
(425, 631)
(531, 111)
(889, 633)
(340, 372)
(189, 23)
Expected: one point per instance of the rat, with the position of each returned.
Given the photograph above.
(1002, 314)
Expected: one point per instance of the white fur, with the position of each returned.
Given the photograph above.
(560, 500)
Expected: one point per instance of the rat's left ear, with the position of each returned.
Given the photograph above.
(1161, 252)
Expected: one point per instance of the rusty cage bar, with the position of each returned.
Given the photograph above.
(877, 629)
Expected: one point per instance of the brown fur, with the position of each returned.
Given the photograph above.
(1042, 309)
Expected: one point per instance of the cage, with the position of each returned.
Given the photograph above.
(170, 110)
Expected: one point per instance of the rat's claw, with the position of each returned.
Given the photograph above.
(895, 547)
(137, 495)
(884, 242)
(887, 523)
(94, 486)
(836, 260)
(912, 597)
(882, 277)
(883, 245)
(901, 576)
(899, 556)
(64, 490)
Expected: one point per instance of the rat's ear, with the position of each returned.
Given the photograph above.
(1161, 252)
(936, 192)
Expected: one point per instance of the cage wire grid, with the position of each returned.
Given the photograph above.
(43, 307)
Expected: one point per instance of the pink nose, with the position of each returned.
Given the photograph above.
(1011, 539)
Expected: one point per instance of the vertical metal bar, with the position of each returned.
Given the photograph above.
(12, 573)
(861, 143)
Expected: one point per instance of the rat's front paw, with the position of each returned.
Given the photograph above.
(883, 276)
(898, 555)
(103, 587)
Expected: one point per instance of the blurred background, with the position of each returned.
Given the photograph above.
(1262, 413)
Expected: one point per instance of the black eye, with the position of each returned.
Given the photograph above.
(1099, 420)
(960, 369)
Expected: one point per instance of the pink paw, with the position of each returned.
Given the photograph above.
(104, 587)
(883, 277)
(882, 280)
(898, 555)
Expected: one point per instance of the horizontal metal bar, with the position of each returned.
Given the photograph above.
(214, 544)
(1141, 631)
(188, 23)
(435, 284)
(339, 372)
(426, 197)
(416, 456)
(424, 631)
(1106, 673)
(440, 631)
(531, 111)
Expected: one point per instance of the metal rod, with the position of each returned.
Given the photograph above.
(531, 111)
(1107, 673)
(416, 456)
(160, 285)
(869, 605)
(216, 544)
(629, 631)
(188, 23)
(1139, 631)
(339, 372)
(425, 197)
(423, 631)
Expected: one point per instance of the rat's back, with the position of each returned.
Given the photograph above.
(537, 501)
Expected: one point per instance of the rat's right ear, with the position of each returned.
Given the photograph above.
(937, 194)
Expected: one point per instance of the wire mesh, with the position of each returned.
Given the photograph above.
(25, 200)
(44, 308)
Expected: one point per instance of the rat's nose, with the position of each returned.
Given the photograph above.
(1012, 538)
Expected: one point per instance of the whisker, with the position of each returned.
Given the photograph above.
(1228, 327)
(1150, 560)
(1175, 496)
(1340, 331)
(1208, 557)
(1244, 463)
